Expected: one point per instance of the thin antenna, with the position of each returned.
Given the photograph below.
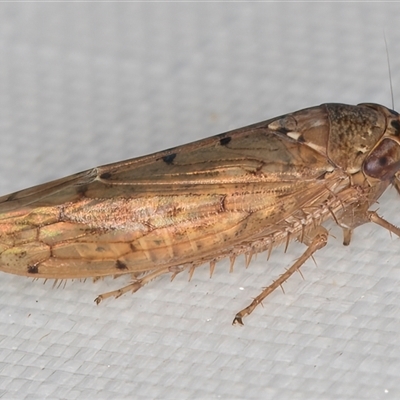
(390, 72)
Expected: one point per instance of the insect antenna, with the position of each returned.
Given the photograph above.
(389, 70)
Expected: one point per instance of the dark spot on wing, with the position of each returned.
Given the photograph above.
(33, 269)
(105, 175)
(82, 189)
(169, 159)
(224, 141)
(120, 265)
(300, 139)
(283, 130)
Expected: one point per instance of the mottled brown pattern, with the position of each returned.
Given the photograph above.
(241, 192)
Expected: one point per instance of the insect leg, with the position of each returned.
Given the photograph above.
(318, 241)
(374, 217)
(134, 286)
(347, 233)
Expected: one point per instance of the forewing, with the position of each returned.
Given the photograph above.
(166, 209)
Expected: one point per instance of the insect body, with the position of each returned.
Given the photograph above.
(240, 192)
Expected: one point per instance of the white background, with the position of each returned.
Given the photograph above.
(84, 84)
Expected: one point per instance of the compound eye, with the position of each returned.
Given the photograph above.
(384, 161)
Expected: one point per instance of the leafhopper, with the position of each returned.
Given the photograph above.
(240, 192)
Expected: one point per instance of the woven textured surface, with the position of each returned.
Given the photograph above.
(85, 84)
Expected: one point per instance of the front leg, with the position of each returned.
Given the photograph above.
(369, 216)
(374, 217)
(353, 217)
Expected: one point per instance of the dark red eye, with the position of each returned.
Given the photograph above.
(384, 161)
